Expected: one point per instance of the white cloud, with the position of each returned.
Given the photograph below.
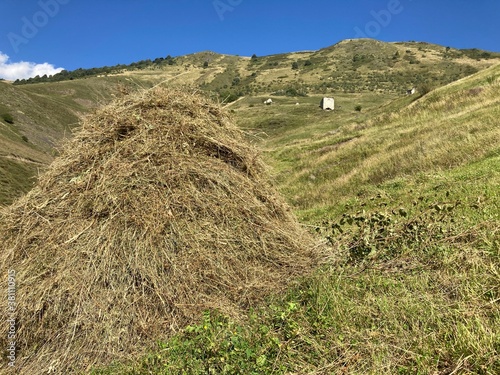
(23, 69)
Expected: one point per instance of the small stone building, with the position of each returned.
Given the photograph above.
(327, 104)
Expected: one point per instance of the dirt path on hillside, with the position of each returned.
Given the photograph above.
(21, 159)
(236, 101)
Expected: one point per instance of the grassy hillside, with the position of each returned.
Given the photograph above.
(362, 65)
(406, 195)
(403, 190)
(321, 159)
(44, 113)
(35, 119)
(348, 66)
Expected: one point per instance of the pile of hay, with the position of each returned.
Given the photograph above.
(155, 211)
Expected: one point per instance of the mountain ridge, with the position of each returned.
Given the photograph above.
(207, 55)
(36, 118)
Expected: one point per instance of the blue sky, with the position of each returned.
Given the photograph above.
(91, 33)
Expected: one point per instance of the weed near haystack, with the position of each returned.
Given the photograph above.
(386, 233)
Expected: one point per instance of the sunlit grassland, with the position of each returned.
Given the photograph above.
(321, 159)
(43, 115)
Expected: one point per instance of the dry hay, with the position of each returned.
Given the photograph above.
(156, 210)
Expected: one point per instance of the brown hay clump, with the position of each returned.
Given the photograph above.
(155, 211)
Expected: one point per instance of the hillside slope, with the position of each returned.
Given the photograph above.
(360, 65)
(322, 162)
(34, 120)
(43, 114)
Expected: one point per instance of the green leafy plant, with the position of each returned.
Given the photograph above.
(219, 345)
(384, 233)
(491, 79)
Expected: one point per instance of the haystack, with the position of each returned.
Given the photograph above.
(155, 211)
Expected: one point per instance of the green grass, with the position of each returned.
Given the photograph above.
(13, 180)
(321, 159)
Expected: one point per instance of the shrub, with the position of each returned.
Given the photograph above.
(7, 117)
(491, 79)
(228, 96)
(291, 91)
(387, 233)
(425, 88)
(358, 108)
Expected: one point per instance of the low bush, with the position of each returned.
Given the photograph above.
(385, 233)
(7, 117)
